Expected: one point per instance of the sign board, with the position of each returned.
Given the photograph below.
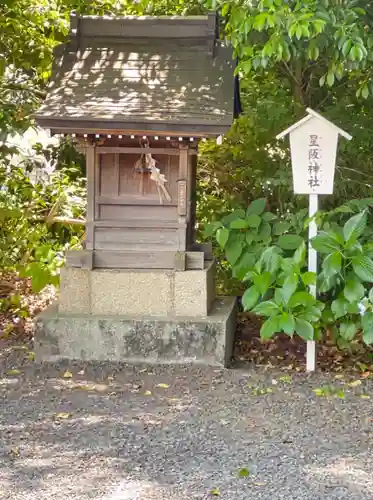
(313, 146)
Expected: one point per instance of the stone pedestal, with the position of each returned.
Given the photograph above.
(156, 316)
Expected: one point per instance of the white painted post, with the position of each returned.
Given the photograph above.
(312, 267)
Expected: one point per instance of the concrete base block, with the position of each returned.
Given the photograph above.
(137, 292)
(206, 341)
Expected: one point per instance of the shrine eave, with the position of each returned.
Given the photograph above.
(62, 126)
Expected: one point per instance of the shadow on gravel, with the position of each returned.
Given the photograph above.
(178, 435)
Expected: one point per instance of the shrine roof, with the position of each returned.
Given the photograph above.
(165, 74)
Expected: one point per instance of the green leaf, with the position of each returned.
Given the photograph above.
(300, 254)
(243, 265)
(233, 250)
(324, 243)
(365, 92)
(268, 217)
(346, 47)
(290, 241)
(354, 290)
(371, 295)
(253, 221)
(236, 214)
(287, 323)
(243, 472)
(332, 264)
(270, 260)
(309, 278)
(269, 328)
(339, 307)
(267, 308)
(264, 233)
(301, 298)
(289, 287)
(355, 226)
(363, 267)
(281, 228)
(347, 331)
(367, 323)
(250, 298)
(211, 228)
(304, 329)
(222, 236)
(330, 78)
(257, 207)
(250, 237)
(239, 224)
(353, 308)
(262, 282)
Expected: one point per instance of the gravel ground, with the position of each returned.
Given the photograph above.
(144, 433)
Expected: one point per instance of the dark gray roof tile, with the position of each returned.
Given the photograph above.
(148, 81)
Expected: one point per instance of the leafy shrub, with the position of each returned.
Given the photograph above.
(38, 218)
(268, 253)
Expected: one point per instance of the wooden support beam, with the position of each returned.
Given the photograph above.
(91, 191)
(101, 259)
(138, 150)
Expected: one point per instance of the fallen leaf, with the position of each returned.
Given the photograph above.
(286, 379)
(15, 452)
(243, 472)
(62, 415)
(100, 387)
(163, 386)
(322, 391)
(339, 376)
(364, 396)
(83, 387)
(355, 383)
(20, 348)
(259, 484)
(143, 370)
(31, 356)
(147, 393)
(329, 391)
(339, 394)
(215, 492)
(67, 374)
(366, 374)
(13, 371)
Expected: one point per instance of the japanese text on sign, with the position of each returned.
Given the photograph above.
(314, 161)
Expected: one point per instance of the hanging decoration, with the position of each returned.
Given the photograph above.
(145, 167)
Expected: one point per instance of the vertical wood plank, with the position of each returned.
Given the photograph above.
(191, 207)
(182, 195)
(97, 183)
(91, 191)
(116, 172)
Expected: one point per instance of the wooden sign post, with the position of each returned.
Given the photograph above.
(313, 147)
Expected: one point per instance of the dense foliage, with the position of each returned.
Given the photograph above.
(269, 254)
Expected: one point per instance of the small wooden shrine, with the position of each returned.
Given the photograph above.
(138, 95)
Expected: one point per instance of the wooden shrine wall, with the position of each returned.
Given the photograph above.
(128, 212)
